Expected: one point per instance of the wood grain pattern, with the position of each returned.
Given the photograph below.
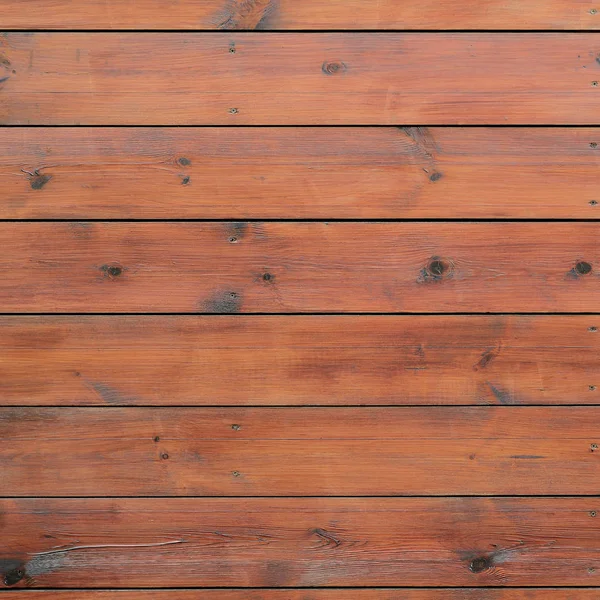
(299, 79)
(306, 14)
(312, 594)
(299, 451)
(299, 267)
(300, 173)
(267, 360)
(303, 542)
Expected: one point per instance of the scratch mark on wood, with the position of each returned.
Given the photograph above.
(102, 546)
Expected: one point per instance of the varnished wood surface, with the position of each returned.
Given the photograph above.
(299, 267)
(300, 173)
(303, 542)
(312, 594)
(299, 451)
(304, 14)
(316, 360)
(299, 79)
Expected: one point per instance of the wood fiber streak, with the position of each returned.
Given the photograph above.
(265, 360)
(299, 79)
(312, 594)
(299, 267)
(300, 173)
(307, 542)
(304, 14)
(299, 451)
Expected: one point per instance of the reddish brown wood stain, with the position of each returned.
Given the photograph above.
(187, 408)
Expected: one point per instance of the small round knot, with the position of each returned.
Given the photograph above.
(435, 176)
(184, 162)
(112, 271)
(438, 267)
(583, 268)
(164, 456)
(13, 577)
(480, 564)
(333, 67)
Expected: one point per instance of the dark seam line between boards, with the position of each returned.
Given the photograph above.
(341, 32)
(296, 314)
(374, 221)
(347, 497)
(302, 125)
(242, 407)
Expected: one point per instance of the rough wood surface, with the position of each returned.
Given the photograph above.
(299, 267)
(304, 14)
(300, 173)
(312, 594)
(299, 451)
(299, 79)
(303, 542)
(266, 360)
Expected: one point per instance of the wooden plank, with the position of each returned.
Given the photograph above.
(300, 173)
(299, 79)
(313, 594)
(308, 14)
(327, 360)
(306, 542)
(299, 451)
(299, 267)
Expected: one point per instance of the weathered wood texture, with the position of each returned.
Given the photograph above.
(326, 360)
(299, 451)
(300, 173)
(301, 542)
(304, 14)
(299, 79)
(299, 267)
(313, 594)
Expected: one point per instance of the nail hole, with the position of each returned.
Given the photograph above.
(232, 47)
(267, 277)
(593, 202)
(592, 388)
(233, 111)
(236, 473)
(593, 145)
(593, 11)
(593, 447)
(594, 84)
(233, 240)
(592, 513)
(583, 268)
(592, 329)
(157, 439)
(236, 427)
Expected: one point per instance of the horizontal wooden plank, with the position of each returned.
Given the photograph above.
(299, 267)
(300, 173)
(308, 14)
(299, 451)
(307, 542)
(569, 593)
(268, 360)
(299, 79)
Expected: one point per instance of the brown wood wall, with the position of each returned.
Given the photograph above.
(299, 300)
